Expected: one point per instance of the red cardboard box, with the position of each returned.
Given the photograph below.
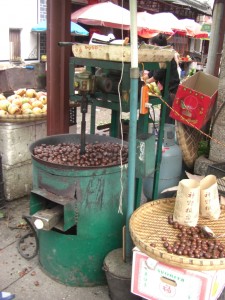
(195, 99)
(154, 280)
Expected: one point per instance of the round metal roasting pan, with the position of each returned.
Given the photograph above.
(75, 139)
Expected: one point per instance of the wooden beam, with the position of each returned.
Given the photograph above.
(58, 30)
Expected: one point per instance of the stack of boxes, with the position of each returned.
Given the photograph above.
(15, 139)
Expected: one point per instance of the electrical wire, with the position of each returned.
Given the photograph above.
(120, 209)
(32, 233)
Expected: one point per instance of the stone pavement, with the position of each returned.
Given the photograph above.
(23, 277)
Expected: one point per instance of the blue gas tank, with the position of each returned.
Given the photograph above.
(170, 167)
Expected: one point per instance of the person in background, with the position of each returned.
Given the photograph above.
(159, 76)
(177, 60)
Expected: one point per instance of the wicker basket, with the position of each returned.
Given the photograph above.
(188, 139)
(22, 118)
(149, 223)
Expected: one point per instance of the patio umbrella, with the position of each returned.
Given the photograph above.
(105, 14)
(149, 27)
(169, 21)
(193, 28)
(74, 28)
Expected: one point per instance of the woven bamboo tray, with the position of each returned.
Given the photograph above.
(22, 118)
(149, 223)
(148, 53)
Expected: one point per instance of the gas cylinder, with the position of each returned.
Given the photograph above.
(170, 167)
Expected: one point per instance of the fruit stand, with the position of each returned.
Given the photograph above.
(22, 121)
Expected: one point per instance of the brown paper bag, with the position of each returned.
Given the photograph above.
(210, 203)
(186, 209)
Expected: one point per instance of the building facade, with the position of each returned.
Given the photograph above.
(18, 43)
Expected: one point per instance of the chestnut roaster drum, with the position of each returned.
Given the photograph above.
(75, 207)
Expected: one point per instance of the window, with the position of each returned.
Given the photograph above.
(14, 44)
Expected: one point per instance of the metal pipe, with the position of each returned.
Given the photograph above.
(217, 33)
(84, 108)
(134, 75)
(48, 218)
(64, 44)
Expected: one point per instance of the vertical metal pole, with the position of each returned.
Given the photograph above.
(216, 38)
(83, 109)
(134, 75)
(158, 158)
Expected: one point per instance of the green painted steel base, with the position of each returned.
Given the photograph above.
(77, 260)
(73, 254)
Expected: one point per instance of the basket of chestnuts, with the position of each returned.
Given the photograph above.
(156, 234)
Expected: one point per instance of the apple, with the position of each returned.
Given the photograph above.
(2, 97)
(30, 93)
(31, 100)
(44, 108)
(13, 109)
(27, 111)
(13, 97)
(3, 113)
(40, 93)
(20, 92)
(4, 104)
(37, 111)
(37, 103)
(25, 100)
(43, 99)
(17, 101)
(26, 105)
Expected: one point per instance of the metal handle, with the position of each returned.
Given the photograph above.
(64, 44)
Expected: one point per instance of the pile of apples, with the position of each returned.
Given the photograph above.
(24, 102)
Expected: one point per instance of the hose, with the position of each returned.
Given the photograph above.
(32, 233)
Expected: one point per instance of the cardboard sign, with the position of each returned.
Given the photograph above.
(154, 280)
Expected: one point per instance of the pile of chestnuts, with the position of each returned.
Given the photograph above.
(96, 154)
(193, 242)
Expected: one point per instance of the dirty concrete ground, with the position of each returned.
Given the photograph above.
(23, 277)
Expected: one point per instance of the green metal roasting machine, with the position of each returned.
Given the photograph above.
(75, 206)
